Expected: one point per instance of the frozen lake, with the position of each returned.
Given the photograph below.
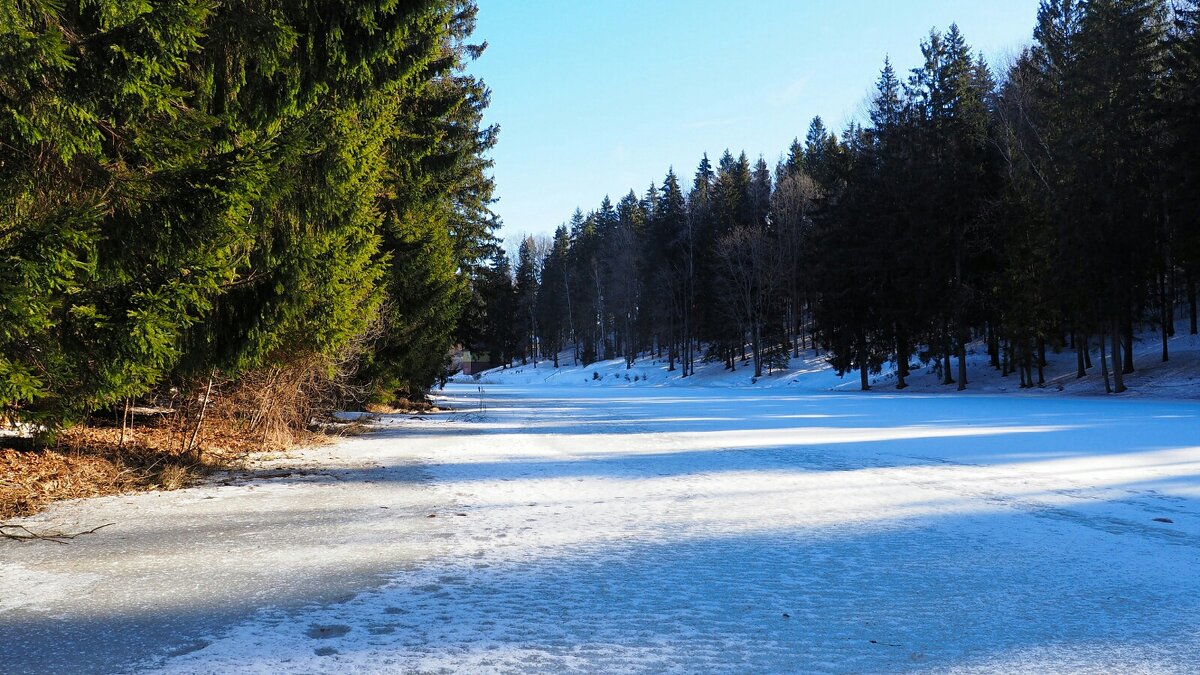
(685, 529)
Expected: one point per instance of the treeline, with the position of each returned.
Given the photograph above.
(1050, 206)
(285, 194)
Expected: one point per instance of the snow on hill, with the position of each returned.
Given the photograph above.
(1178, 378)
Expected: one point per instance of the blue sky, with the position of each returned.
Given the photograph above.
(595, 98)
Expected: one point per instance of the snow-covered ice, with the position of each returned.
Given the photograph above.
(656, 529)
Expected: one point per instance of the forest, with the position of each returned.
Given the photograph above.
(277, 206)
(1050, 204)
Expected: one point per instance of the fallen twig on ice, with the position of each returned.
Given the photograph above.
(26, 534)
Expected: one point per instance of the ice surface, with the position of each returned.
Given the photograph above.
(30, 588)
(571, 528)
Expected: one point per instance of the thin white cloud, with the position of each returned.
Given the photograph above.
(712, 123)
(791, 92)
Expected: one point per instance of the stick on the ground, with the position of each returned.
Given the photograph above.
(124, 423)
(26, 534)
(203, 408)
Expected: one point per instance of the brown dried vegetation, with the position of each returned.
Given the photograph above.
(171, 441)
(87, 463)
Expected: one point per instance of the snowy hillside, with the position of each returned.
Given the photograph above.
(1178, 378)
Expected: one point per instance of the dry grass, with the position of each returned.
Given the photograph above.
(269, 410)
(381, 409)
(91, 462)
(402, 406)
(349, 429)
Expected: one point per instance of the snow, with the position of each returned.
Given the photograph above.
(581, 528)
(624, 519)
(1178, 378)
(29, 588)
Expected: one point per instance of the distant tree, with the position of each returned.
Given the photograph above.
(526, 289)
(669, 250)
(1182, 99)
(501, 335)
(793, 206)
(623, 262)
(1029, 213)
(554, 316)
(747, 261)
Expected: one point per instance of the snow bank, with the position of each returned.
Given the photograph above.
(1178, 378)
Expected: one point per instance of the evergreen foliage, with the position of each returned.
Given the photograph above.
(1049, 205)
(190, 188)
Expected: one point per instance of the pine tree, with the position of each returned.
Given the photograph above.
(120, 222)
(1119, 51)
(554, 316)
(668, 246)
(759, 192)
(793, 206)
(816, 146)
(1183, 118)
(623, 263)
(526, 289)
(500, 335)
(199, 187)
(425, 298)
(888, 197)
(846, 275)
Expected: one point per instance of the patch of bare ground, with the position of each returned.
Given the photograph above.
(93, 462)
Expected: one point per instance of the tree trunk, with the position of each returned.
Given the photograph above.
(962, 361)
(1191, 298)
(1167, 315)
(797, 336)
(200, 421)
(684, 345)
(1041, 362)
(124, 423)
(1081, 346)
(947, 378)
(901, 360)
(993, 347)
(1020, 358)
(1118, 368)
(757, 347)
(1127, 361)
(1171, 291)
(1104, 365)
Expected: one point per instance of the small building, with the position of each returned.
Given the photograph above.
(475, 362)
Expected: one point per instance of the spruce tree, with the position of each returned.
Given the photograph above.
(1183, 118)
(198, 187)
(526, 289)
